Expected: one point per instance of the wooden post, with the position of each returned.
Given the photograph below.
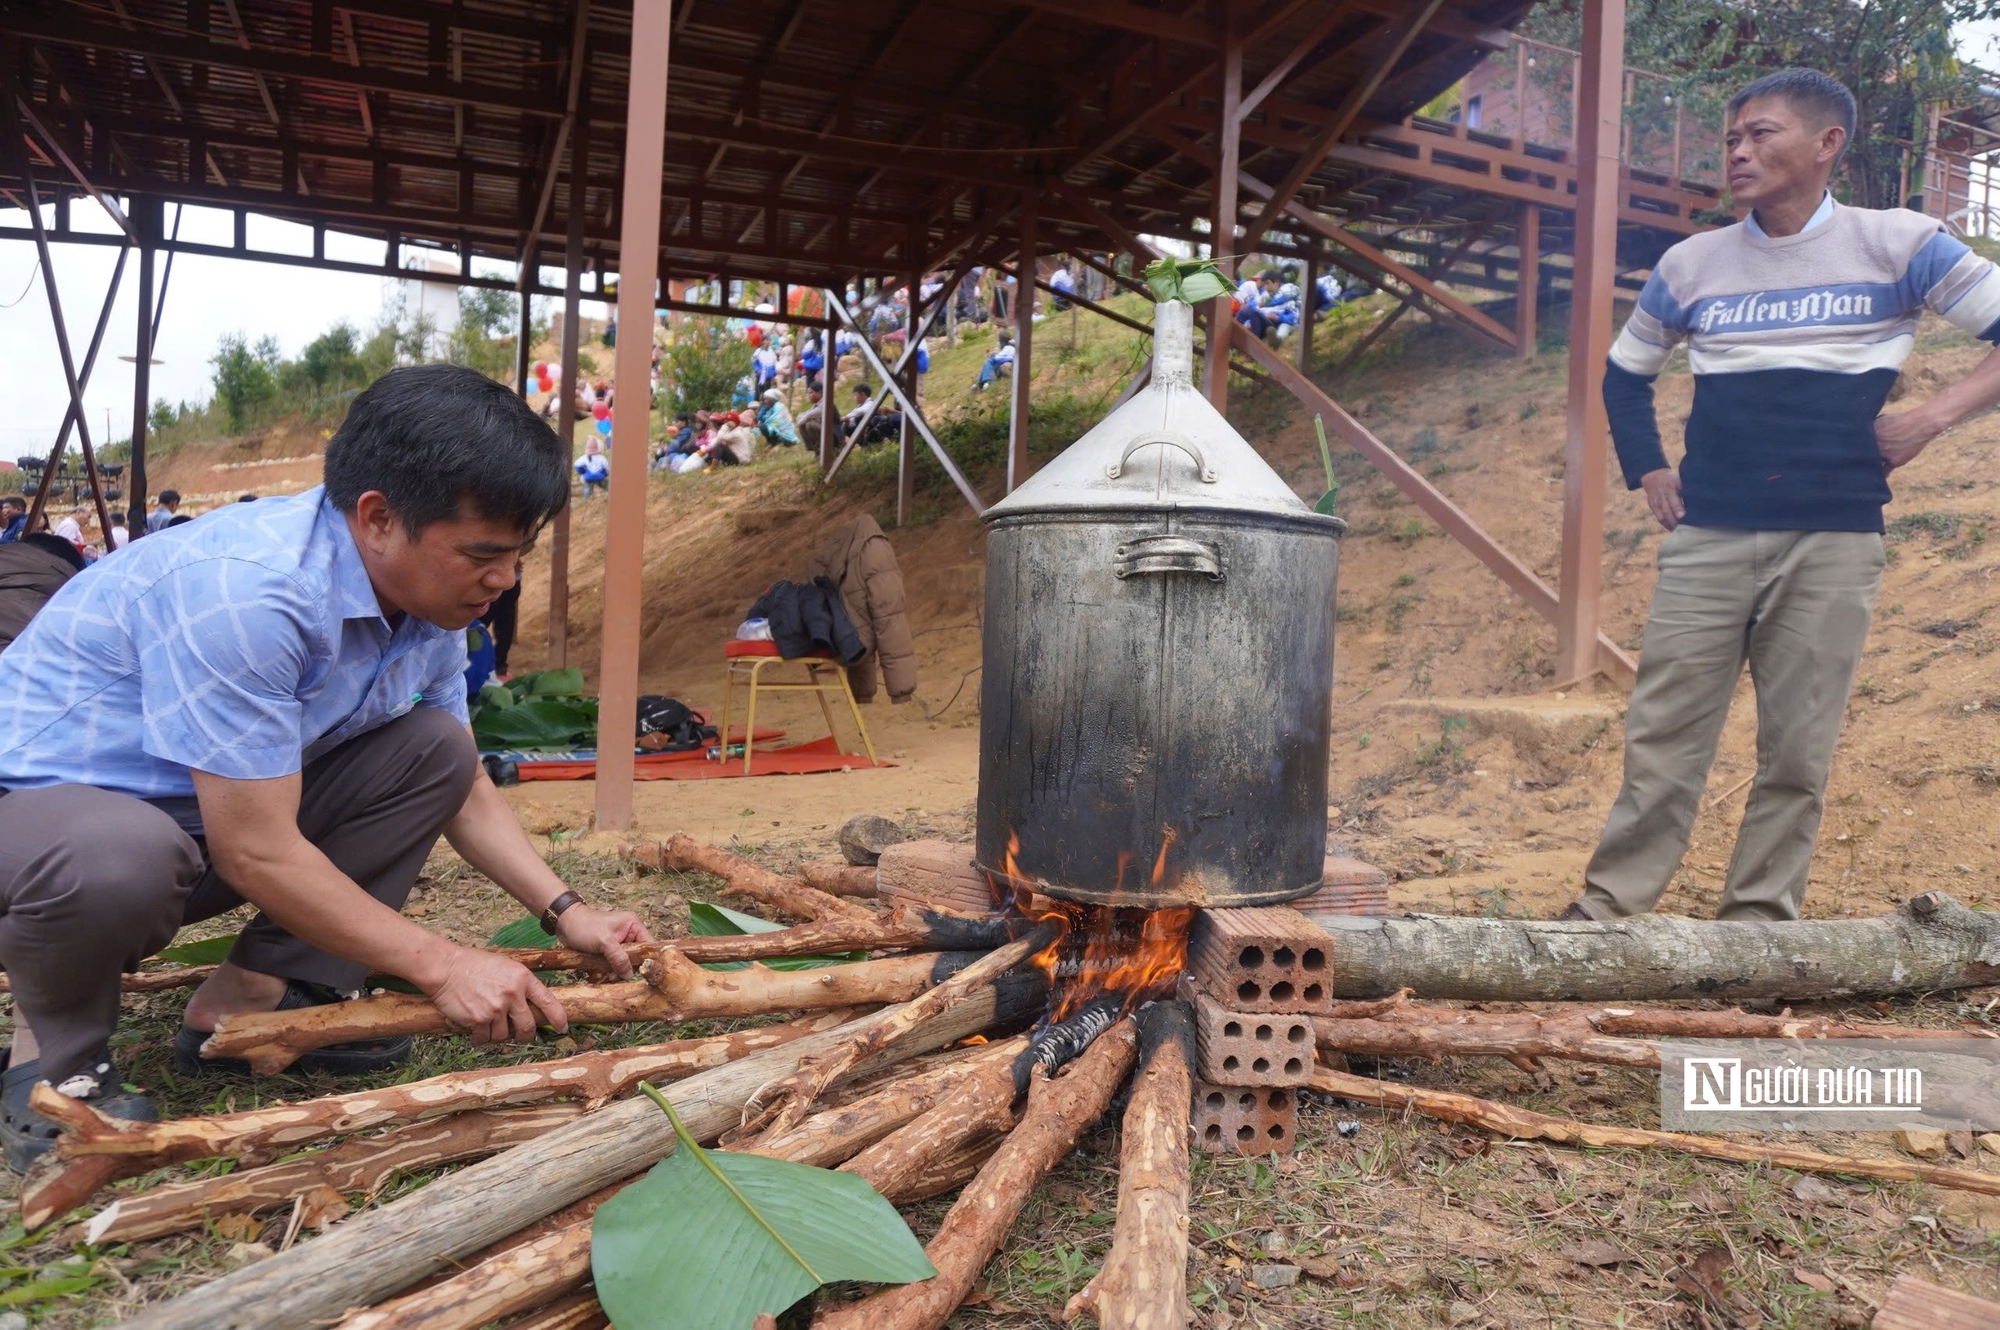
(1529, 291)
(521, 359)
(1585, 454)
(572, 336)
(1222, 226)
(906, 443)
(1310, 294)
(829, 406)
(625, 539)
(146, 215)
(1023, 311)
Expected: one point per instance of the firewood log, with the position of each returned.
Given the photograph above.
(905, 928)
(980, 1103)
(1143, 1282)
(790, 1099)
(1059, 1111)
(362, 1165)
(936, 873)
(578, 1311)
(683, 854)
(675, 989)
(1914, 1303)
(828, 1138)
(96, 1149)
(377, 1254)
(1747, 1025)
(841, 879)
(1930, 944)
(1450, 1033)
(147, 981)
(1523, 1124)
(950, 1172)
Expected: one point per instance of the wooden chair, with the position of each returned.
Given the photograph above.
(747, 662)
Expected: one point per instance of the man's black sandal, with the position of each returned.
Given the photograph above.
(352, 1059)
(28, 1135)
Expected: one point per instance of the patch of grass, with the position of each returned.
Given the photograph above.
(1444, 751)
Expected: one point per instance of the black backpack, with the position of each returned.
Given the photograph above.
(674, 721)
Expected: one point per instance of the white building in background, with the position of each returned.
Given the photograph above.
(433, 301)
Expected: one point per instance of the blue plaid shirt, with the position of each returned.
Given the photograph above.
(244, 644)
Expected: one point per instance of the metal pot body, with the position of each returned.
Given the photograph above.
(1156, 700)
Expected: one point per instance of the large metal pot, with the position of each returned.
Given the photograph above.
(1158, 662)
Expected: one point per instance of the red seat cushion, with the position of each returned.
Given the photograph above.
(735, 649)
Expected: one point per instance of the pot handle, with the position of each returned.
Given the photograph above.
(1173, 439)
(1168, 554)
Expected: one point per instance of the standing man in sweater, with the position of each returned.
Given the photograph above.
(1797, 320)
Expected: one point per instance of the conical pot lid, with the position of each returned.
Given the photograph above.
(1166, 447)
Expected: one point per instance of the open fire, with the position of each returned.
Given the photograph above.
(1108, 960)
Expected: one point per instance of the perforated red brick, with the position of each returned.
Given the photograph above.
(1348, 887)
(1245, 1120)
(1266, 959)
(1252, 1048)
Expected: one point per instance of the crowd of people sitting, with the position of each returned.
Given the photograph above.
(1271, 304)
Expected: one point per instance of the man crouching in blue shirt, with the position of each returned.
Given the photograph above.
(268, 705)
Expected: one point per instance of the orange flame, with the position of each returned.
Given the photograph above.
(1112, 959)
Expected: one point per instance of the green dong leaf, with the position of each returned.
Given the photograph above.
(208, 951)
(1203, 286)
(706, 920)
(527, 931)
(713, 1239)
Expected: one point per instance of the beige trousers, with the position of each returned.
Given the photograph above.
(1796, 605)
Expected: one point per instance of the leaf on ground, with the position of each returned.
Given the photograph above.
(208, 951)
(1701, 1278)
(322, 1208)
(1809, 1188)
(712, 1238)
(1597, 1252)
(1812, 1279)
(706, 920)
(242, 1227)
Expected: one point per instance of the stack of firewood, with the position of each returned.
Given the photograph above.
(907, 1069)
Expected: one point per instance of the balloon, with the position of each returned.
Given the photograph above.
(604, 426)
(755, 336)
(601, 411)
(545, 385)
(541, 369)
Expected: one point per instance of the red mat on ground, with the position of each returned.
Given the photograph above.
(821, 755)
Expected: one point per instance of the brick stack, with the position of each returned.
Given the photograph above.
(1256, 977)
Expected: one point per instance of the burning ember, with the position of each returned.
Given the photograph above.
(1108, 961)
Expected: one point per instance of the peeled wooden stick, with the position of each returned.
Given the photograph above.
(676, 989)
(1058, 1112)
(1143, 1282)
(949, 1173)
(355, 1166)
(979, 1104)
(1469, 1034)
(903, 928)
(792, 1097)
(1745, 1025)
(591, 1077)
(1523, 1124)
(147, 981)
(827, 1138)
(683, 854)
(841, 879)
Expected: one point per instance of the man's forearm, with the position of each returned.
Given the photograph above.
(489, 837)
(307, 896)
(1976, 392)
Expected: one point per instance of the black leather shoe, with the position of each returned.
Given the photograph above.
(28, 1135)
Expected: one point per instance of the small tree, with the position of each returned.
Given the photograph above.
(701, 365)
(244, 383)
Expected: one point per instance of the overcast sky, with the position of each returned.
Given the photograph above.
(208, 298)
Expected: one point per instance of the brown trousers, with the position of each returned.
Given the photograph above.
(92, 882)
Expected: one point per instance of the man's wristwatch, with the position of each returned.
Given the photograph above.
(555, 909)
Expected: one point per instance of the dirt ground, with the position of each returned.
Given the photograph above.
(1457, 766)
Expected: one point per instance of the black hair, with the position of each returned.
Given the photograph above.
(181, 519)
(170, 496)
(1820, 97)
(56, 545)
(438, 439)
(682, 418)
(246, 498)
(1270, 275)
(863, 389)
(15, 500)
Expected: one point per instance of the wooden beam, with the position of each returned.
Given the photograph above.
(1586, 447)
(1344, 116)
(1129, 17)
(1222, 222)
(625, 537)
(1528, 239)
(1455, 520)
(1019, 398)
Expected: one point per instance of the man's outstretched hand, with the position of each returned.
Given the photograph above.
(1663, 496)
(494, 999)
(603, 933)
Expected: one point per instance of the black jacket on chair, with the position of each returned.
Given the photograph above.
(809, 617)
